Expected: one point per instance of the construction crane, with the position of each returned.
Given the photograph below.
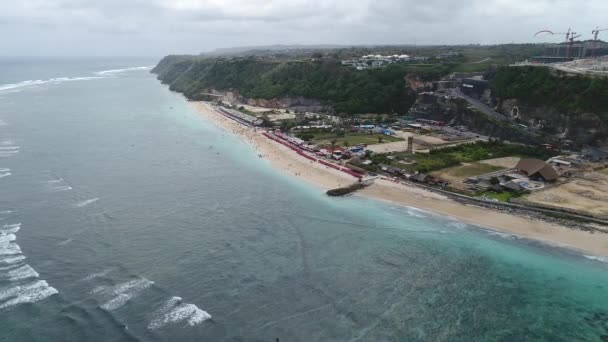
(568, 34)
(573, 36)
(595, 33)
(570, 37)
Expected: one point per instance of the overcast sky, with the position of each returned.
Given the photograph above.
(159, 27)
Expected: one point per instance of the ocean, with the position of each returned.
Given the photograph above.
(126, 216)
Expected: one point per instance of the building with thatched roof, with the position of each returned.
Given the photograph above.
(537, 169)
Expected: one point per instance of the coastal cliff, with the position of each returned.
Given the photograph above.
(574, 107)
(324, 83)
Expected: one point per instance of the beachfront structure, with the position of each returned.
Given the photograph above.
(242, 117)
(536, 168)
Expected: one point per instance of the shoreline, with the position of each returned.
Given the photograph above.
(285, 160)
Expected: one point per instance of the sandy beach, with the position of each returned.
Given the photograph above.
(324, 177)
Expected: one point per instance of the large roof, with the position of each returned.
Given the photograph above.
(534, 166)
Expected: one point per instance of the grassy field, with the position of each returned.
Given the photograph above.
(353, 139)
(456, 175)
(474, 169)
(438, 159)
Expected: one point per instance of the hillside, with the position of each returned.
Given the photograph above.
(382, 90)
(573, 105)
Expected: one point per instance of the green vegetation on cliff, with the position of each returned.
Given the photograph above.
(540, 87)
(382, 90)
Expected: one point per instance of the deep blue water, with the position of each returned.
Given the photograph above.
(116, 198)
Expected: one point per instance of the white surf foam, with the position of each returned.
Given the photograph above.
(597, 258)
(458, 225)
(5, 170)
(30, 83)
(198, 316)
(502, 235)
(7, 147)
(189, 312)
(12, 260)
(87, 202)
(10, 249)
(65, 242)
(98, 274)
(173, 311)
(117, 301)
(23, 272)
(6, 154)
(61, 188)
(415, 212)
(9, 292)
(120, 71)
(30, 293)
(6, 238)
(10, 267)
(10, 228)
(133, 285)
(123, 292)
(5, 174)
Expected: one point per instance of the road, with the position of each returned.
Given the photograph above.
(478, 105)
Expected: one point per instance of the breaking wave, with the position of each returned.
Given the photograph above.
(415, 212)
(22, 272)
(8, 153)
(65, 242)
(502, 235)
(87, 202)
(122, 292)
(119, 71)
(98, 274)
(10, 249)
(12, 260)
(6, 238)
(61, 188)
(174, 311)
(458, 225)
(29, 293)
(117, 301)
(597, 258)
(5, 174)
(29, 83)
(10, 228)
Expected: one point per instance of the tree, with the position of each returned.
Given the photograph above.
(333, 145)
(380, 140)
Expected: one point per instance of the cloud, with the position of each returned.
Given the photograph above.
(155, 26)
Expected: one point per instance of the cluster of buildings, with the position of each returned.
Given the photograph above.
(528, 175)
(568, 51)
(534, 174)
(377, 61)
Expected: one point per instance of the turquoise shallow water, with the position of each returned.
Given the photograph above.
(126, 199)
